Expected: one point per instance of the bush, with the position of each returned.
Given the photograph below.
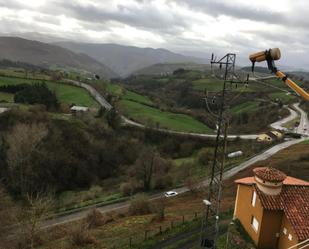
(162, 182)
(129, 188)
(159, 208)
(139, 205)
(81, 237)
(95, 219)
(205, 156)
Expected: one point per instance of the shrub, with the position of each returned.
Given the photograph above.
(205, 156)
(81, 237)
(139, 205)
(95, 219)
(162, 182)
(159, 209)
(128, 188)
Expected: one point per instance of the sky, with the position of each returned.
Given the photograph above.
(195, 27)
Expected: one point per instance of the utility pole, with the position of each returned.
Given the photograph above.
(210, 222)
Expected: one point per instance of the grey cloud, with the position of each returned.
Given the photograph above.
(216, 8)
(145, 17)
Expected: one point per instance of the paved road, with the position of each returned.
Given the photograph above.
(81, 214)
(103, 102)
(229, 173)
(303, 127)
(94, 93)
(279, 124)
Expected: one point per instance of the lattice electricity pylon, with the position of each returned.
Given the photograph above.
(210, 222)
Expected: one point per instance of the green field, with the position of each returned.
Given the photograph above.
(209, 84)
(20, 72)
(216, 85)
(249, 106)
(65, 93)
(173, 121)
(129, 95)
(114, 89)
(284, 97)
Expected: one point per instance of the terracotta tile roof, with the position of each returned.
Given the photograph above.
(287, 181)
(269, 174)
(294, 201)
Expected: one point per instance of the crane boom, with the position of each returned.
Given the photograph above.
(270, 56)
(300, 91)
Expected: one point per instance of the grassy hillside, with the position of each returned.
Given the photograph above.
(249, 106)
(66, 94)
(173, 121)
(129, 95)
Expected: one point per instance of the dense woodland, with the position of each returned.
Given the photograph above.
(39, 153)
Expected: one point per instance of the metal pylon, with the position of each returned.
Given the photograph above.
(210, 223)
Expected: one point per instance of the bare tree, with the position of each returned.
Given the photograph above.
(37, 207)
(7, 214)
(22, 141)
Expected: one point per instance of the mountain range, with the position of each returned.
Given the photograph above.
(48, 55)
(125, 60)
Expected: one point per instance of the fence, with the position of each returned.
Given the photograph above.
(135, 240)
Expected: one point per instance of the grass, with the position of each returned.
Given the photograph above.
(209, 84)
(216, 85)
(20, 72)
(7, 97)
(76, 199)
(249, 106)
(66, 93)
(283, 96)
(178, 122)
(129, 95)
(114, 89)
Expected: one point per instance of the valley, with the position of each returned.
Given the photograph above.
(97, 176)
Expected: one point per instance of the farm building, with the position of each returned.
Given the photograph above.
(273, 209)
(270, 136)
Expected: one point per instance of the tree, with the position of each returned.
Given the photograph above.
(145, 167)
(37, 93)
(113, 119)
(37, 208)
(22, 141)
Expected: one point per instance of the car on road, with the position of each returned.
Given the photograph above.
(170, 194)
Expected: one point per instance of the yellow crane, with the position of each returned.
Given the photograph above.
(270, 56)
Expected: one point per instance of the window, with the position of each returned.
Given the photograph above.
(290, 237)
(254, 223)
(253, 199)
(284, 231)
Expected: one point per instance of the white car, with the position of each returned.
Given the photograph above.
(170, 193)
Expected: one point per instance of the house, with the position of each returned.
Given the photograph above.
(278, 134)
(264, 138)
(273, 209)
(270, 136)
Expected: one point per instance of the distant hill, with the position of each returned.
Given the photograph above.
(169, 68)
(47, 55)
(125, 60)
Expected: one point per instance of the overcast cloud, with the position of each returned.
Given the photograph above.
(196, 27)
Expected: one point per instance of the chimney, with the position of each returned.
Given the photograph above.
(269, 180)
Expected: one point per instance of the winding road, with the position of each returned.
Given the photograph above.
(103, 102)
(82, 212)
